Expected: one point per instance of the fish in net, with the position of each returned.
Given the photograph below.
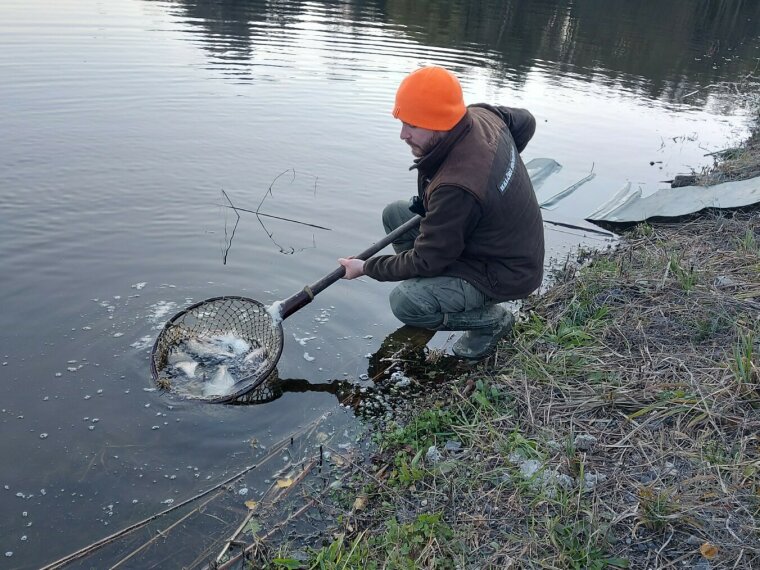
(217, 350)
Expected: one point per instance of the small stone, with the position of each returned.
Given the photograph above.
(724, 281)
(8, 554)
(584, 442)
(529, 468)
(433, 455)
(565, 481)
(591, 480)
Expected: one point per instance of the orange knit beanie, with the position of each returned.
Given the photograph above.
(430, 98)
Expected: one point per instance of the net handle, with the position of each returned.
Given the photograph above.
(307, 294)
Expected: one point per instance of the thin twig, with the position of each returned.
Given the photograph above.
(239, 209)
(237, 221)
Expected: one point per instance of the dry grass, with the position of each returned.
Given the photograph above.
(738, 163)
(617, 428)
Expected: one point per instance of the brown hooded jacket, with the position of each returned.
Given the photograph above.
(482, 220)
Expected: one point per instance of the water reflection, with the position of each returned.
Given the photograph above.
(661, 50)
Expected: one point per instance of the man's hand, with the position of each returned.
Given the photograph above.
(354, 267)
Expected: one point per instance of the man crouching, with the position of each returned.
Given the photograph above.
(481, 238)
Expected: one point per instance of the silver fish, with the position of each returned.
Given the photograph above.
(208, 349)
(255, 355)
(220, 384)
(187, 367)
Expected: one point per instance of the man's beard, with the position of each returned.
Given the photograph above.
(420, 151)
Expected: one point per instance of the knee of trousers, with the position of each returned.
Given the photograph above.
(394, 214)
(411, 307)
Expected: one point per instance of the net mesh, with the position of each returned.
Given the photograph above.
(245, 318)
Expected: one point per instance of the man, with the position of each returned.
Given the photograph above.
(481, 239)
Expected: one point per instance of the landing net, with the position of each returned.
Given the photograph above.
(218, 350)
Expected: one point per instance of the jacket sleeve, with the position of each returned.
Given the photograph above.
(451, 216)
(520, 122)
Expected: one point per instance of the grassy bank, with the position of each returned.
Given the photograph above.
(617, 427)
(737, 163)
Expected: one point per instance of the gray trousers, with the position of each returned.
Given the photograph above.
(427, 302)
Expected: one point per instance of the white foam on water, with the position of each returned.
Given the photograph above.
(142, 342)
(302, 341)
(308, 357)
(159, 310)
(237, 344)
(176, 356)
(139, 285)
(275, 311)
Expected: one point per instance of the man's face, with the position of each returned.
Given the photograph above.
(420, 140)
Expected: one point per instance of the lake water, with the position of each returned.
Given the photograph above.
(121, 122)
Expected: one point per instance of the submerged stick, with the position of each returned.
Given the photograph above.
(283, 492)
(162, 533)
(236, 208)
(234, 229)
(60, 563)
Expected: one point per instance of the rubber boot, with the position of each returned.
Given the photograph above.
(484, 328)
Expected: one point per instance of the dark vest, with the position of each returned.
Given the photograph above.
(504, 253)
